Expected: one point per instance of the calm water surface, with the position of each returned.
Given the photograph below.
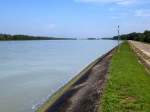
(30, 71)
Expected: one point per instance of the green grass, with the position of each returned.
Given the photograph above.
(128, 86)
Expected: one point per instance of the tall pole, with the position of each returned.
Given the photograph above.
(118, 35)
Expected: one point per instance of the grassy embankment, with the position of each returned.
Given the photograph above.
(128, 86)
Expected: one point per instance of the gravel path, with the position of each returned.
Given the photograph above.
(145, 48)
(142, 50)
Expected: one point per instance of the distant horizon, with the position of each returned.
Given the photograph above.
(48, 36)
(74, 18)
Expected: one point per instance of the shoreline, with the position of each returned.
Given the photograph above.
(51, 105)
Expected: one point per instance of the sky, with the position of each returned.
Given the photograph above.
(74, 18)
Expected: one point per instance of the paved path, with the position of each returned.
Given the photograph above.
(143, 51)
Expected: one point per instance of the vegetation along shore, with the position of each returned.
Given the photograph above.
(6, 37)
(127, 89)
(143, 37)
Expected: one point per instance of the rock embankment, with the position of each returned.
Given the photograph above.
(84, 95)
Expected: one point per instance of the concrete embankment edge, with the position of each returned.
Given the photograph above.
(56, 96)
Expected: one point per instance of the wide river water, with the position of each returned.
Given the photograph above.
(31, 71)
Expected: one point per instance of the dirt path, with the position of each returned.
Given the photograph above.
(84, 95)
(142, 50)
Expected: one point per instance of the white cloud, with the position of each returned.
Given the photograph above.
(115, 17)
(142, 13)
(118, 2)
(125, 2)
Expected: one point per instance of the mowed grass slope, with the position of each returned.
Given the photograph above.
(128, 86)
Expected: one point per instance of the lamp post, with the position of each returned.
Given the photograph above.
(118, 37)
(118, 34)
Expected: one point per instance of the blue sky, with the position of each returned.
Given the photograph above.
(74, 18)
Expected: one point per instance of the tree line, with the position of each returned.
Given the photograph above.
(27, 37)
(144, 37)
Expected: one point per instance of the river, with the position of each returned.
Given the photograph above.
(30, 71)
